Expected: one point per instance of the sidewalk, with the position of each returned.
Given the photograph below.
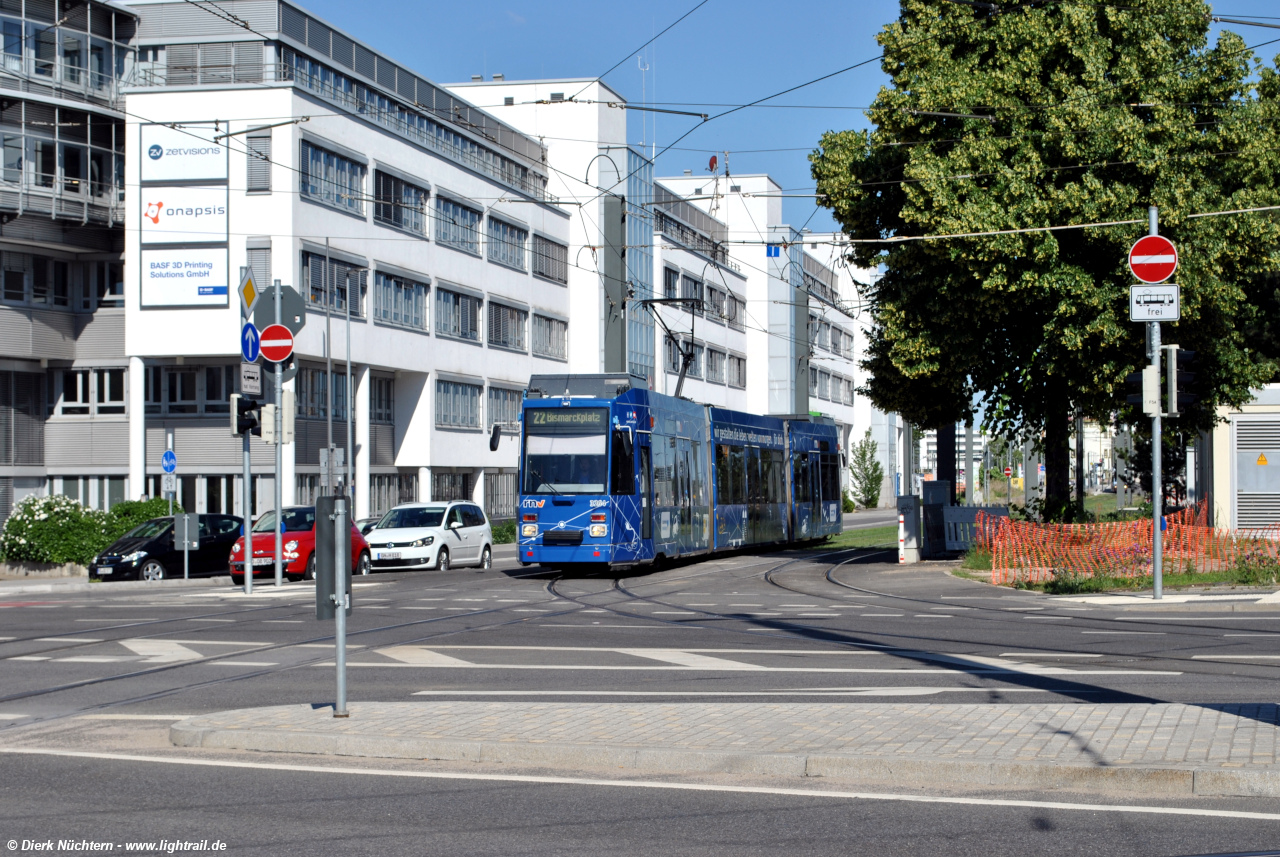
(1227, 601)
(1164, 749)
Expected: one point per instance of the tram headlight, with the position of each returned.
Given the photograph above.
(529, 530)
(598, 530)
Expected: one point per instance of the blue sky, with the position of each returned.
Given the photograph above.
(725, 53)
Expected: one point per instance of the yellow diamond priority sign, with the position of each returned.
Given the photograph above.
(249, 292)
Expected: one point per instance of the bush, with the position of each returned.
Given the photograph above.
(54, 529)
(867, 472)
(846, 502)
(504, 533)
(126, 515)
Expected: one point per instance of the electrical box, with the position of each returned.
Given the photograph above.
(909, 509)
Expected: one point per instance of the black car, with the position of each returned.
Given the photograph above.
(147, 552)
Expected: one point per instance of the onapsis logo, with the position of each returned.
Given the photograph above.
(155, 209)
(156, 151)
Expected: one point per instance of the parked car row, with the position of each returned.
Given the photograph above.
(412, 536)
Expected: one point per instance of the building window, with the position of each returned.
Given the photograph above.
(736, 311)
(457, 405)
(500, 495)
(457, 315)
(715, 366)
(340, 279)
(506, 243)
(457, 226)
(504, 408)
(506, 326)
(550, 260)
(691, 288)
(670, 283)
(824, 385)
(311, 397)
(382, 401)
(110, 393)
(549, 336)
(332, 179)
(180, 385)
(813, 381)
(258, 154)
(110, 277)
(75, 393)
(399, 203)
(397, 300)
(446, 486)
(671, 353)
(219, 382)
(259, 259)
(715, 304)
(695, 365)
(737, 371)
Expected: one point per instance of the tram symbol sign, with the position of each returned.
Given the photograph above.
(1155, 303)
(169, 461)
(1153, 259)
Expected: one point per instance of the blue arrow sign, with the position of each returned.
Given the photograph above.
(249, 342)
(169, 461)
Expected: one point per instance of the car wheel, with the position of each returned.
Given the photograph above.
(310, 573)
(237, 580)
(442, 560)
(364, 565)
(293, 578)
(486, 558)
(152, 570)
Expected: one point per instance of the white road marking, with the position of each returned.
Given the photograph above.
(875, 649)
(595, 625)
(108, 619)
(1194, 618)
(671, 785)
(67, 640)
(215, 642)
(931, 616)
(904, 690)
(89, 659)
(1135, 633)
(1251, 635)
(211, 620)
(29, 658)
(1236, 657)
(161, 651)
(879, 614)
(282, 621)
(421, 657)
(321, 646)
(673, 613)
(134, 716)
(1046, 655)
(689, 659)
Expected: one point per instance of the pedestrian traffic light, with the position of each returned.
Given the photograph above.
(245, 416)
(1178, 377)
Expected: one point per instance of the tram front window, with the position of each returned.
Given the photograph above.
(566, 451)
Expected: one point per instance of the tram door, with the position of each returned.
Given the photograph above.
(684, 497)
(646, 495)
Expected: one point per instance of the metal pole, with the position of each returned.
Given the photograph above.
(279, 492)
(186, 569)
(342, 557)
(1157, 487)
(248, 519)
(349, 399)
(328, 374)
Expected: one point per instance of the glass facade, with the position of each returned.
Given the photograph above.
(640, 324)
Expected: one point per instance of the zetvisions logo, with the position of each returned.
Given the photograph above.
(155, 152)
(152, 211)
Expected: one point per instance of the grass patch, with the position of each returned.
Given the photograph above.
(871, 537)
(977, 560)
(1067, 582)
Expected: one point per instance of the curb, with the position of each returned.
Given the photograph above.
(1165, 782)
(74, 585)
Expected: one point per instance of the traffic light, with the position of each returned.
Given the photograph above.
(245, 416)
(1178, 376)
(268, 427)
(286, 423)
(1144, 389)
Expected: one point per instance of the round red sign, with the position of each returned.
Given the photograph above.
(276, 343)
(1153, 259)
(1008, 471)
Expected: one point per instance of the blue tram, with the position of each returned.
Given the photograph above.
(616, 475)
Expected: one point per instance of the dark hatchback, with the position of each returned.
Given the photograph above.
(147, 552)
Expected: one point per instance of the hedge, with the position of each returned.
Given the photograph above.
(59, 530)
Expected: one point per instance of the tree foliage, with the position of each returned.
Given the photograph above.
(867, 472)
(1093, 113)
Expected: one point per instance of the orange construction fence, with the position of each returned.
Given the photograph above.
(1030, 552)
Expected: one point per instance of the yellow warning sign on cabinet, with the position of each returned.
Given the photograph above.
(1262, 460)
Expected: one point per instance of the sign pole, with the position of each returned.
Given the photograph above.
(1157, 488)
(342, 559)
(279, 492)
(328, 373)
(248, 518)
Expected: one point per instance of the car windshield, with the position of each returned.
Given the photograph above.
(412, 517)
(149, 530)
(295, 520)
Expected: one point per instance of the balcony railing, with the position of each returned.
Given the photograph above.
(495, 167)
(61, 197)
(47, 77)
(691, 239)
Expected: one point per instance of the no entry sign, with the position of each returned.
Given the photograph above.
(277, 343)
(1153, 259)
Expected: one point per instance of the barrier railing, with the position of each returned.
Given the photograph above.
(1029, 552)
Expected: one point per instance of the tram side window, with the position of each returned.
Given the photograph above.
(622, 465)
(800, 464)
(830, 478)
(772, 478)
(755, 494)
(663, 473)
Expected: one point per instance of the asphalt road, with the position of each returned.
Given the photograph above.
(101, 671)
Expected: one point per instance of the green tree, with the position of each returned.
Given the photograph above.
(866, 471)
(1037, 113)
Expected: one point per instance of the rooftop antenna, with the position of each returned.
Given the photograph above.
(644, 122)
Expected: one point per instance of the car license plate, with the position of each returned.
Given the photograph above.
(105, 570)
(389, 555)
(264, 560)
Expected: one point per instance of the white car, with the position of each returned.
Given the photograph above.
(431, 535)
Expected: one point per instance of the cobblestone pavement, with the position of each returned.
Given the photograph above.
(1164, 735)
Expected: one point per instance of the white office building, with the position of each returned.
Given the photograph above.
(287, 147)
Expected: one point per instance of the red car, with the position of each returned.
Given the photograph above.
(298, 553)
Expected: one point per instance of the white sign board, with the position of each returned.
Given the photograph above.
(1155, 303)
(169, 483)
(188, 153)
(183, 215)
(190, 276)
(251, 379)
